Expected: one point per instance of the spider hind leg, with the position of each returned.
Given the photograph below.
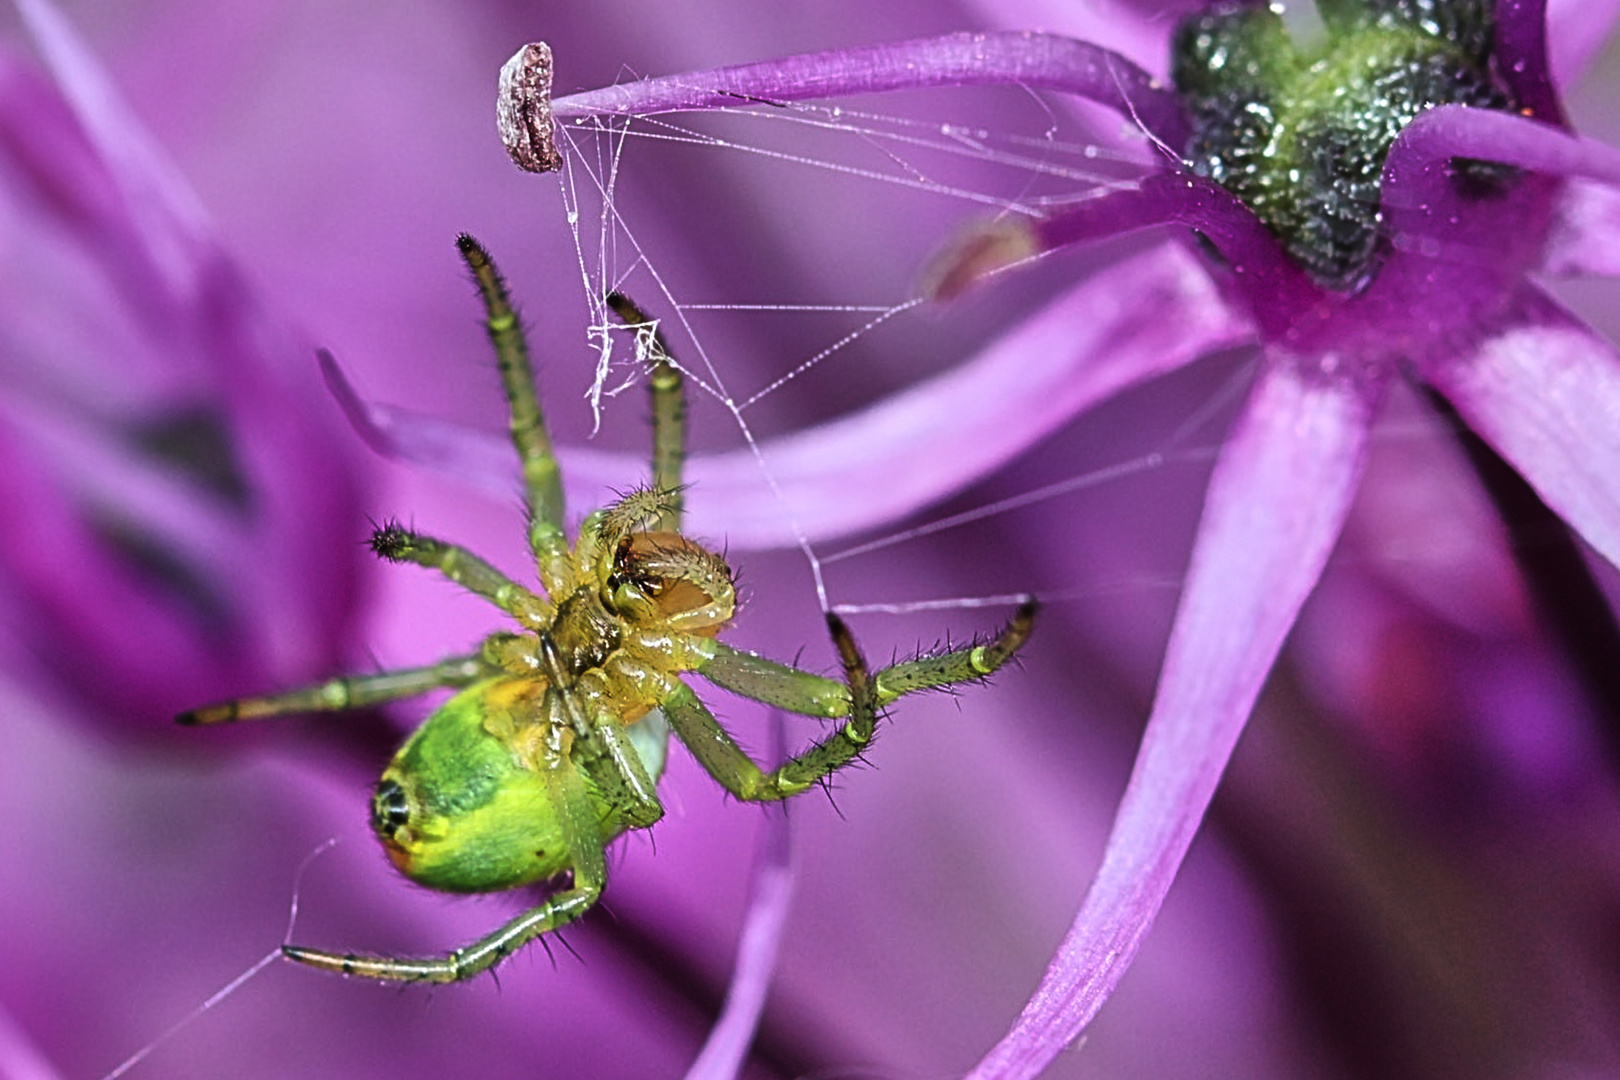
(586, 849)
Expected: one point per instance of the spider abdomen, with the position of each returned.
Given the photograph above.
(456, 810)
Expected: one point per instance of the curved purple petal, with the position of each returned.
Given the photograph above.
(1277, 500)
(1545, 392)
(772, 893)
(1018, 58)
(162, 206)
(1586, 231)
(20, 1059)
(1576, 31)
(1427, 144)
(931, 440)
(1274, 285)
(481, 458)
(1454, 249)
(131, 329)
(1126, 29)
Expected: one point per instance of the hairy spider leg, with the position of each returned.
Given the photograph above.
(345, 693)
(668, 408)
(399, 544)
(761, 679)
(542, 479)
(607, 756)
(544, 502)
(739, 774)
(858, 696)
(573, 802)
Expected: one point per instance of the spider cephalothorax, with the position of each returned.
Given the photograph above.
(556, 739)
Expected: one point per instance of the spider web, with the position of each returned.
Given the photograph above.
(955, 169)
(1007, 153)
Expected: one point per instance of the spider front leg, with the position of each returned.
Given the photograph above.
(762, 679)
(577, 821)
(857, 697)
(341, 694)
(739, 774)
(542, 480)
(668, 392)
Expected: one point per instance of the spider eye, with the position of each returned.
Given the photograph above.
(390, 808)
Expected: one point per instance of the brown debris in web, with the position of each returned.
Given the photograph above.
(523, 109)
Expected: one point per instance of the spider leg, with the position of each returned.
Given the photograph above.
(542, 480)
(602, 748)
(350, 692)
(739, 774)
(668, 408)
(968, 664)
(774, 683)
(579, 821)
(396, 543)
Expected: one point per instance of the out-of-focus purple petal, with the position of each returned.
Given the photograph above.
(172, 513)
(772, 894)
(20, 1059)
(1422, 525)
(1586, 234)
(1029, 59)
(480, 458)
(1277, 500)
(941, 435)
(1576, 30)
(161, 203)
(1545, 391)
(132, 329)
(930, 440)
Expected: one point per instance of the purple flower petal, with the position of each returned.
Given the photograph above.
(1447, 244)
(932, 440)
(1453, 131)
(1576, 31)
(941, 435)
(131, 328)
(480, 458)
(1545, 391)
(20, 1059)
(1278, 498)
(161, 204)
(1276, 288)
(1025, 58)
(1127, 29)
(1586, 232)
(772, 893)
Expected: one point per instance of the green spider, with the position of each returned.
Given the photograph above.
(554, 745)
